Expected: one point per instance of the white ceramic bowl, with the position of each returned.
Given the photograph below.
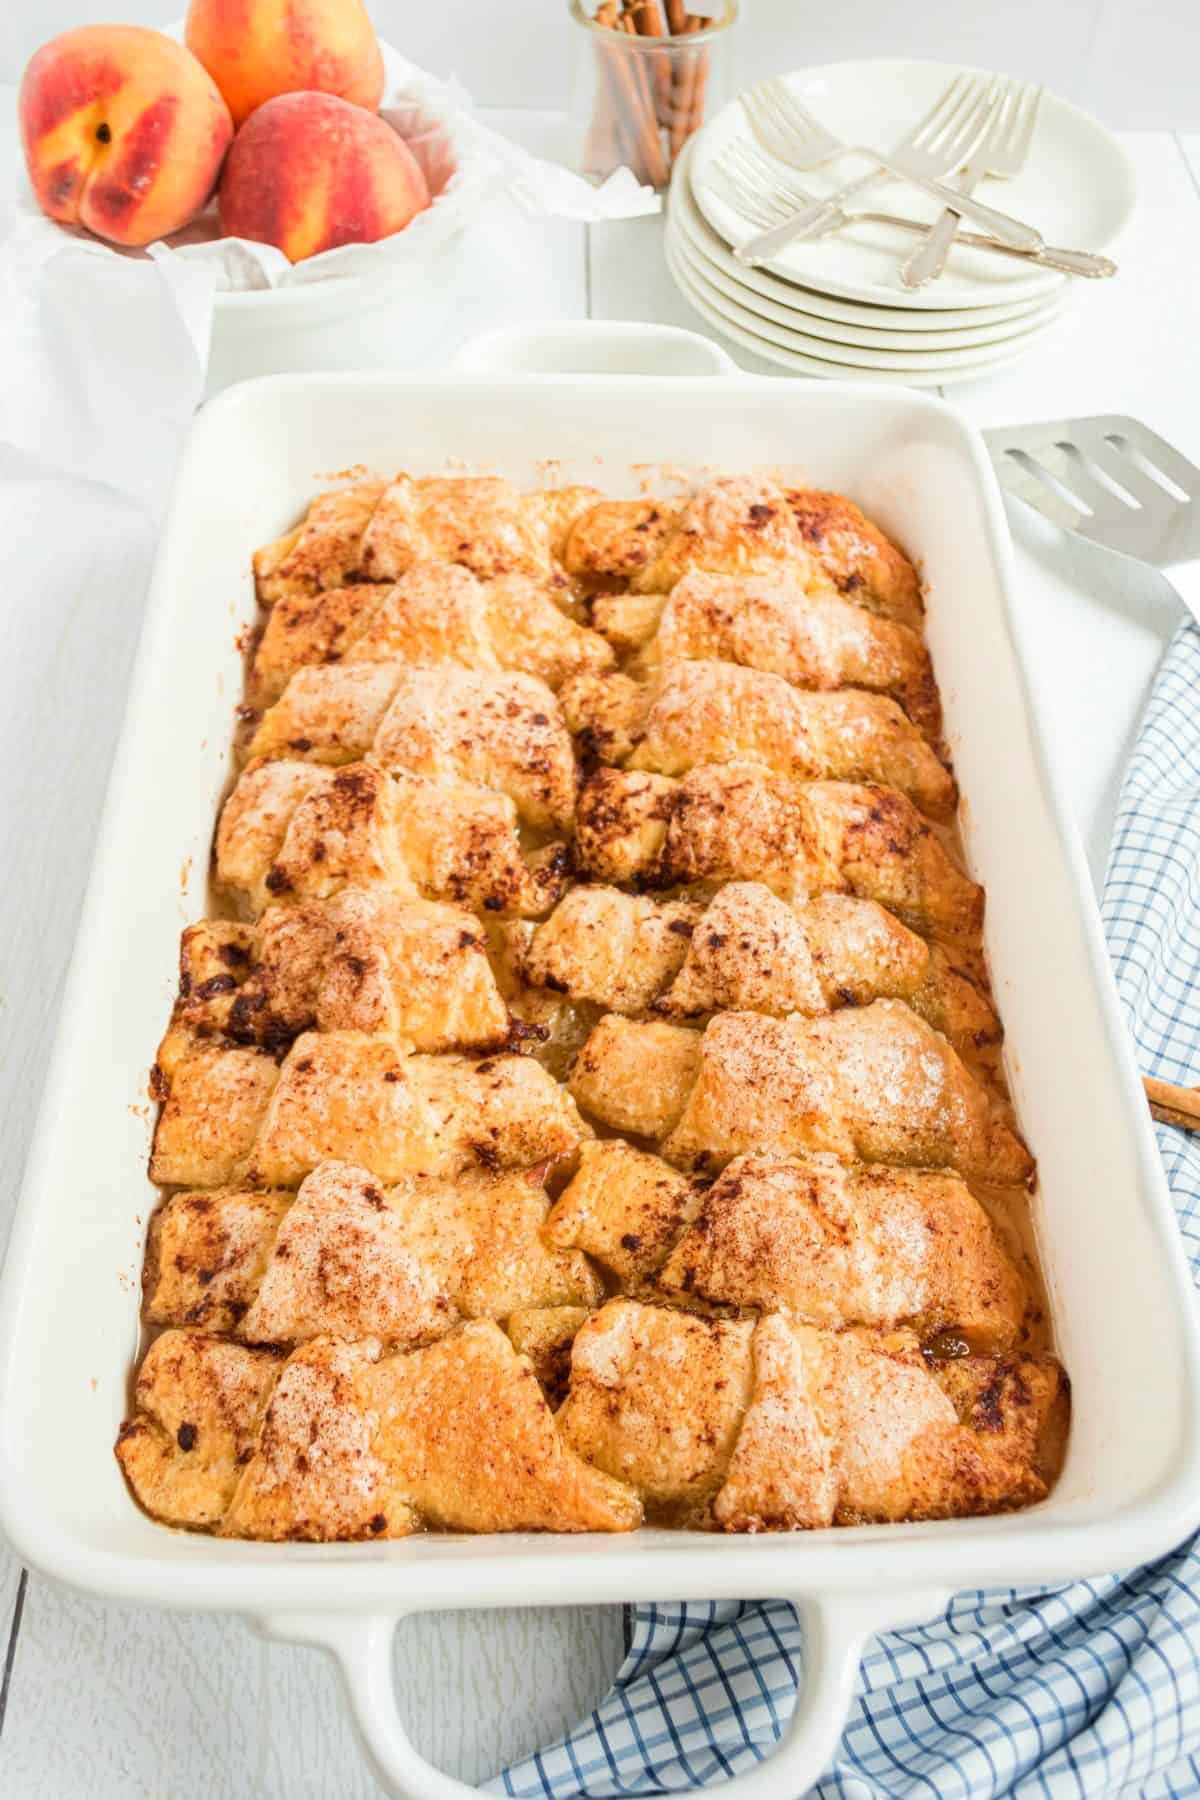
(311, 325)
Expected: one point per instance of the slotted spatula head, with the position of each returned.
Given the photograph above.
(1109, 479)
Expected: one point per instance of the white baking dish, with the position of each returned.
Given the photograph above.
(1121, 1297)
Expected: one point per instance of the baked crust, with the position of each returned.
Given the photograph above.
(235, 1115)
(872, 1083)
(752, 1425)
(350, 1257)
(692, 713)
(571, 1110)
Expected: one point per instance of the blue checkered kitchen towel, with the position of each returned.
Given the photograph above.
(1087, 1690)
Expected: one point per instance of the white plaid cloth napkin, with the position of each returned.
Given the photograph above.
(1087, 1690)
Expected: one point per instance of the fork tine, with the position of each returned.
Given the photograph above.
(789, 112)
(753, 166)
(1000, 120)
(945, 104)
(976, 98)
(1022, 125)
(785, 113)
(759, 112)
(728, 179)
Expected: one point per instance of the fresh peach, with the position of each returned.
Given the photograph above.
(123, 131)
(256, 49)
(309, 172)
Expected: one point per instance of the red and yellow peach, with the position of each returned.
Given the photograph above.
(257, 49)
(123, 132)
(308, 172)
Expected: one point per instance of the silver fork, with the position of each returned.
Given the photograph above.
(1002, 153)
(743, 176)
(940, 143)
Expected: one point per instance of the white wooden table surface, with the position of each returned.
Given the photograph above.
(113, 1702)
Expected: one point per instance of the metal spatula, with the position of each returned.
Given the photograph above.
(1114, 481)
(1109, 479)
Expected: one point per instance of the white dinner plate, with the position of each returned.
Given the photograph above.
(846, 321)
(786, 332)
(802, 362)
(1077, 187)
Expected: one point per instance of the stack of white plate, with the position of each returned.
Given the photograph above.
(835, 305)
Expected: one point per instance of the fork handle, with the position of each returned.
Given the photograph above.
(997, 224)
(1009, 232)
(808, 222)
(1072, 262)
(929, 258)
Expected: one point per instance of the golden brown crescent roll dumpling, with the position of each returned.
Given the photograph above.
(199, 1403)
(735, 525)
(530, 632)
(300, 831)
(460, 726)
(614, 541)
(353, 1258)
(438, 612)
(855, 555)
(296, 837)
(323, 549)
(478, 521)
(739, 822)
(620, 950)
(752, 1425)
(329, 713)
(206, 1255)
(303, 629)
(713, 712)
(336, 1443)
(235, 1116)
(625, 1207)
(657, 1399)
(637, 1076)
(872, 1083)
(856, 1427)
(365, 960)
(554, 512)
(753, 952)
(214, 1102)
(835, 1246)
(814, 639)
(749, 951)
(495, 731)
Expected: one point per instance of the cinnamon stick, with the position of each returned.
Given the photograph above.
(643, 114)
(649, 22)
(616, 134)
(684, 110)
(699, 84)
(1173, 1105)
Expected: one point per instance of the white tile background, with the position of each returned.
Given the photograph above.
(1135, 62)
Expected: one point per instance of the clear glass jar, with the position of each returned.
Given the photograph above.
(640, 90)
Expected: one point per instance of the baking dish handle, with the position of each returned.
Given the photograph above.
(593, 347)
(836, 1630)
